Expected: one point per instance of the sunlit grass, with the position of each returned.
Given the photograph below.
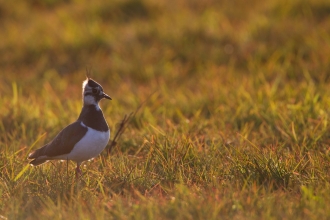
(231, 102)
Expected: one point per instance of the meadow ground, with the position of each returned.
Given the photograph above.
(231, 100)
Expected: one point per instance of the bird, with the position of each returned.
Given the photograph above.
(82, 140)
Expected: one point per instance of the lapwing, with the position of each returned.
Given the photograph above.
(82, 140)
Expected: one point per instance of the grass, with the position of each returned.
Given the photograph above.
(232, 100)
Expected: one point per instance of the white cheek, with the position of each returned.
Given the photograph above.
(84, 83)
(89, 100)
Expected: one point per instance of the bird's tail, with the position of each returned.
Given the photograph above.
(38, 157)
(38, 161)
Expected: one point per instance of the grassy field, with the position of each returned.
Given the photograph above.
(231, 100)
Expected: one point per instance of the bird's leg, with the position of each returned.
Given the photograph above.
(78, 171)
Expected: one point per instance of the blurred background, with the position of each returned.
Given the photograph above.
(144, 40)
(186, 58)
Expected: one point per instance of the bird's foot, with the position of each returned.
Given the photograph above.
(78, 172)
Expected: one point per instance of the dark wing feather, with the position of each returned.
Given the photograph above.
(63, 143)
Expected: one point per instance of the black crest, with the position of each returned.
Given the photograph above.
(92, 83)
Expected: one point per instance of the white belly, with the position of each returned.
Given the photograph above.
(90, 146)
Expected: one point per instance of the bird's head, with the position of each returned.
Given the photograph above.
(92, 92)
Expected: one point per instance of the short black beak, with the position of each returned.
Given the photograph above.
(106, 96)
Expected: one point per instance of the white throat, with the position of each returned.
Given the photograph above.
(90, 100)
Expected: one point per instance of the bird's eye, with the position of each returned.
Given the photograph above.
(94, 91)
